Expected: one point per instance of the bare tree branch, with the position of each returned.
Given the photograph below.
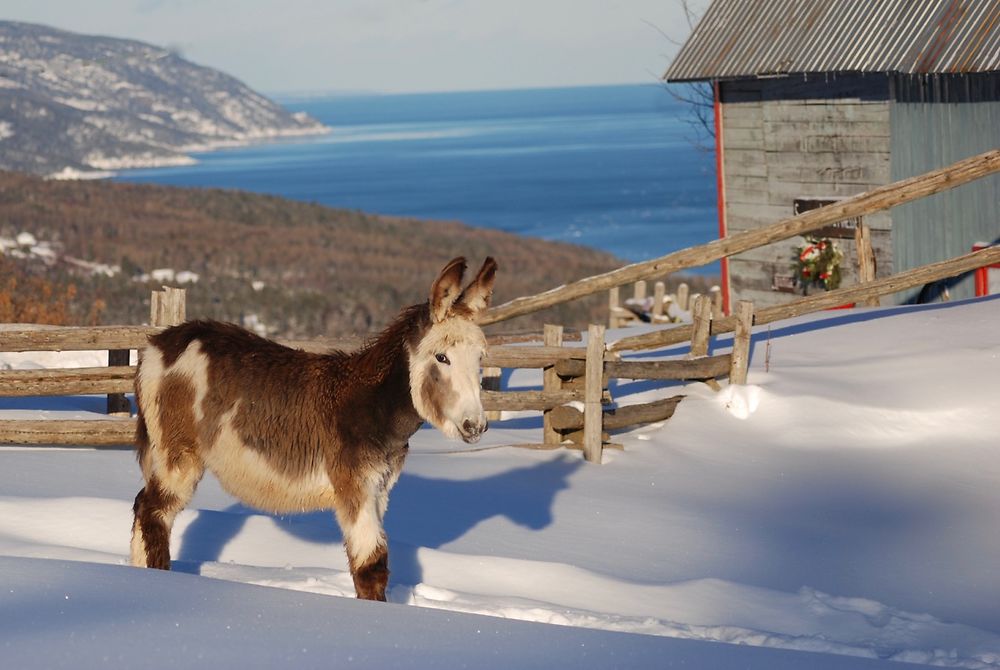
(699, 98)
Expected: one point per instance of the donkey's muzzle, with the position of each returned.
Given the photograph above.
(473, 430)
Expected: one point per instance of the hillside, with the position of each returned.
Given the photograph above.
(74, 105)
(302, 269)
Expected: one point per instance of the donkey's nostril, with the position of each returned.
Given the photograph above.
(468, 426)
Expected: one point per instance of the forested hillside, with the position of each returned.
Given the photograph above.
(302, 269)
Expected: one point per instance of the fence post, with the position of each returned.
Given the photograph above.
(614, 303)
(118, 404)
(640, 291)
(682, 295)
(593, 419)
(701, 314)
(553, 336)
(741, 343)
(866, 259)
(716, 294)
(659, 295)
(168, 307)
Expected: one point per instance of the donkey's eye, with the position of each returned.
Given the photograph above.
(442, 359)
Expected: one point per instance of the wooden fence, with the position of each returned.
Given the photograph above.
(661, 307)
(570, 374)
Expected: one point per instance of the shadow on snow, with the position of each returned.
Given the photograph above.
(423, 512)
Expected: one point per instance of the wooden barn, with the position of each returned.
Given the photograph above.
(816, 100)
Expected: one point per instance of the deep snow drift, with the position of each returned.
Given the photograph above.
(844, 503)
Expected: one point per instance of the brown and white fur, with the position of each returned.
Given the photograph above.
(288, 431)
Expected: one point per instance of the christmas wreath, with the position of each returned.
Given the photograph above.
(817, 262)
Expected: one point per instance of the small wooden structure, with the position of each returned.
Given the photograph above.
(817, 100)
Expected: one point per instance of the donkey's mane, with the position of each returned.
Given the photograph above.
(376, 358)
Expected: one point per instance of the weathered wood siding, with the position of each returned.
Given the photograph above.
(930, 135)
(786, 140)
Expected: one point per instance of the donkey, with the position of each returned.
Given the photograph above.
(288, 431)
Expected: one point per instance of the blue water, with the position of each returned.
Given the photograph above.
(610, 167)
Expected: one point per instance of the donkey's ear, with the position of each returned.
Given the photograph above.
(446, 289)
(476, 295)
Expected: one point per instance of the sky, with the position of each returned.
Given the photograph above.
(292, 46)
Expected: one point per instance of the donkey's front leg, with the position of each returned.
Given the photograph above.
(365, 540)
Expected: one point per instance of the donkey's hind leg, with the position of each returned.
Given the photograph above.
(156, 507)
(172, 469)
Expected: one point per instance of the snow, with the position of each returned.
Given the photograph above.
(73, 173)
(837, 512)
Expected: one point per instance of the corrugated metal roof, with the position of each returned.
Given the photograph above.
(746, 38)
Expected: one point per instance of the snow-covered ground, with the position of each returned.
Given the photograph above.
(840, 511)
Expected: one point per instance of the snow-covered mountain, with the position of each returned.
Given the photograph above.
(74, 104)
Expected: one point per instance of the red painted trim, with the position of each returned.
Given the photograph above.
(720, 190)
(982, 280)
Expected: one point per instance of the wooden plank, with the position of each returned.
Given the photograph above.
(715, 295)
(118, 404)
(168, 307)
(814, 303)
(67, 381)
(701, 329)
(659, 294)
(674, 370)
(741, 343)
(614, 307)
(85, 433)
(683, 295)
(745, 217)
(76, 339)
(786, 141)
(505, 356)
(570, 418)
(551, 382)
(877, 199)
(826, 126)
(348, 343)
(840, 112)
(528, 400)
(866, 259)
(640, 291)
(754, 195)
(592, 426)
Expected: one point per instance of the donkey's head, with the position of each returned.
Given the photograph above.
(444, 366)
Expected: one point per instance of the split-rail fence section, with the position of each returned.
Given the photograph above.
(574, 396)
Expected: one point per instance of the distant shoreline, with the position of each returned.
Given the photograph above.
(109, 168)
